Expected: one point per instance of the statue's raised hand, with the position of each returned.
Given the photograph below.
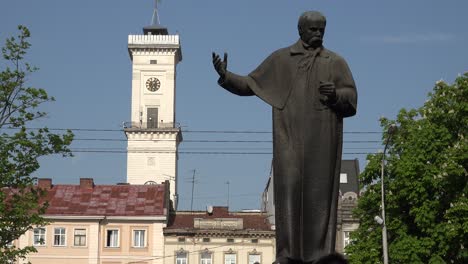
(220, 65)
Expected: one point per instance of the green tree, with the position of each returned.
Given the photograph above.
(21, 203)
(425, 184)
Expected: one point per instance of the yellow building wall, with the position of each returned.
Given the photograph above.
(95, 251)
(218, 246)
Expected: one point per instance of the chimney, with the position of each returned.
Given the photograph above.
(86, 183)
(44, 183)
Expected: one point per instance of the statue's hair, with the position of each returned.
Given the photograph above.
(310, 14)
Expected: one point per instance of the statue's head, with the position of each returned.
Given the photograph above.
(311, 28)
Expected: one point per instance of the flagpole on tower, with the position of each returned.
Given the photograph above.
(155, 19)
(155, 27)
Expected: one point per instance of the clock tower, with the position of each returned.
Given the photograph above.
(153, 135)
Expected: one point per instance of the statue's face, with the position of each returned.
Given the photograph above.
(312, 31)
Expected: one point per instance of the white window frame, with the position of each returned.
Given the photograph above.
(346, 238)
(343, 177)
(181, 260)
(229, 261)
(206, 260)
(108, 244)
(85, 237)
(44, 235)
(134, 231)
(60, 235)
(259, 256)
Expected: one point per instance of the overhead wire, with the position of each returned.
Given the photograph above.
(184, 131)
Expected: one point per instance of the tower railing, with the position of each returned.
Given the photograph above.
(150, 125)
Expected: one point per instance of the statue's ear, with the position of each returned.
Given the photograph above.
(299, 29)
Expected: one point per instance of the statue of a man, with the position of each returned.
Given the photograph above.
(311, 90)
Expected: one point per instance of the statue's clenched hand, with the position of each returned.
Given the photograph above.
(220, 65)
(329, 90)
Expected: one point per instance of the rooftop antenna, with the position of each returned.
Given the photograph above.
(155, 19)
(155, 28)
(227, 182)
(193, 186)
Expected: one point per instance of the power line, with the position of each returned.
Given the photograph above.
(196, 152)
(213, 141)
(185, 131)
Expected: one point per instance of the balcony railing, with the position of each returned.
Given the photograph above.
(150, 125)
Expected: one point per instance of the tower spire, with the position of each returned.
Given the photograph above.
(155, 27)
(155, 19)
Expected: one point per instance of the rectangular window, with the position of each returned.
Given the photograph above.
(39, 236)
(152, 117)
(181, 257)
(59, 236)
(346, 238)
(230, 240)
(79, 238)
(139, 238)
(112, 238)
(206, 240)
(181, 239)
(205, 258)
(229, 258)
(343, 178)
(254, 258)
(255, 240)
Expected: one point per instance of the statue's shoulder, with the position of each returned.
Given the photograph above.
(280, 52)
(278, 56)
(333, 55)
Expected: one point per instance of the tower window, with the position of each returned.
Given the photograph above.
(153, 62)
(152, 117)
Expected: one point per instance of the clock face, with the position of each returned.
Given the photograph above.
(153, 84)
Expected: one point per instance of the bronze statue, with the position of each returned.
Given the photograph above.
(311, 90)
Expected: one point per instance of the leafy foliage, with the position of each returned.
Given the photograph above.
(425, 184)
(20, 200)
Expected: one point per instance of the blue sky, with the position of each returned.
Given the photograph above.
(396, 50)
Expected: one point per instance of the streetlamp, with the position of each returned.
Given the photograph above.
(391, 130)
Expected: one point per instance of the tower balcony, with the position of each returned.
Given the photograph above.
(151, 125)
(153, 130)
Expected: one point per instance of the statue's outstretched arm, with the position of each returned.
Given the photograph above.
(232, 82)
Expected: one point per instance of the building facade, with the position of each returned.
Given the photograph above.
(219, 236)
(100, 224)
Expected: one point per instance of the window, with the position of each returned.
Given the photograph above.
(79, 238)
(153, 62)
(346, 238)
(39, 236)
(205, 258)
(343, 178)
(181, 239)
(229, 258)
(230, 240)
(152, 117)
(59, 236)
(181, 257)
(254, 258)
(255, 240)
(112, 238)
(139, 238)
(206, 240)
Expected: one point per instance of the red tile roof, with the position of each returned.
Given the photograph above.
(88, 199)
(256, 221)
